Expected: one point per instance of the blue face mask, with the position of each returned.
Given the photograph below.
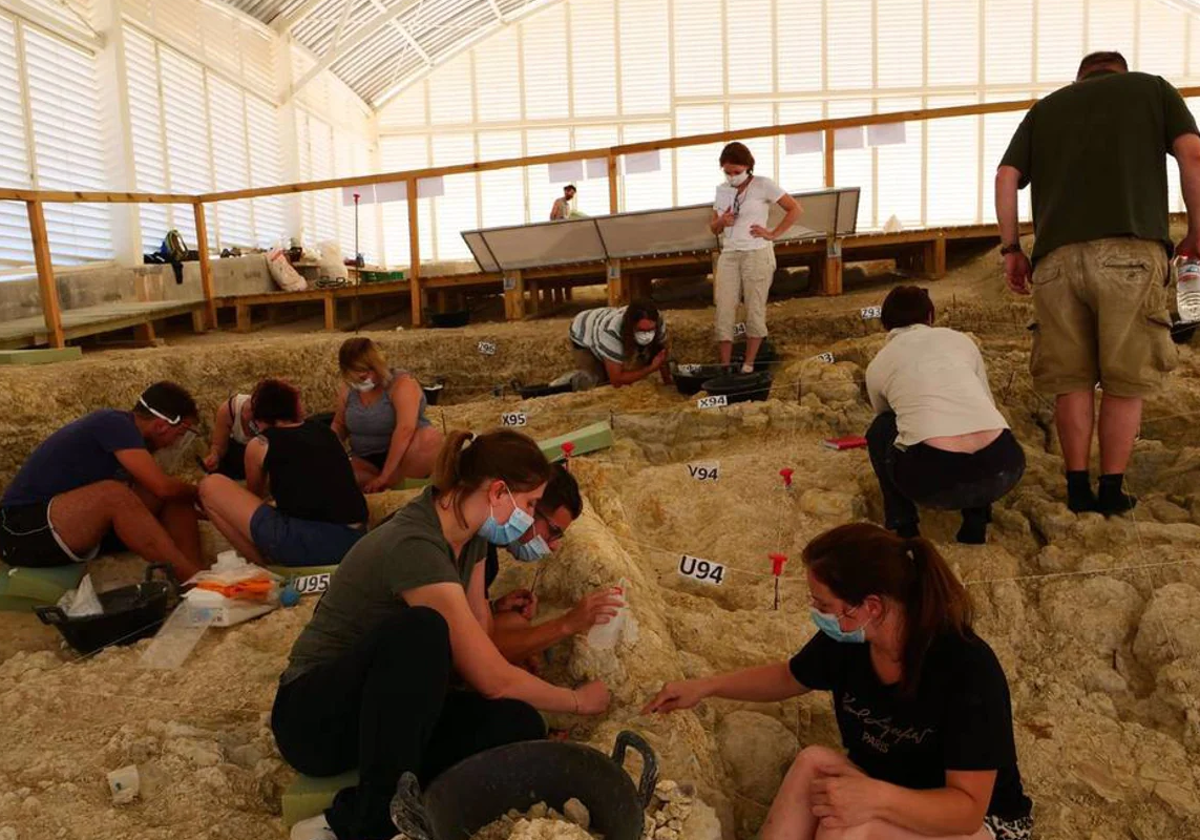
(828, 624)
(531, 551)
(518, 523)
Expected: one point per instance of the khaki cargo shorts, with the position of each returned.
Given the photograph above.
(743, 276)
(1101, 310)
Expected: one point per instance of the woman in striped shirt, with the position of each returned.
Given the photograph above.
(618, 345)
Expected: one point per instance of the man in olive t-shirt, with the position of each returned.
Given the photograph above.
(1095, 155)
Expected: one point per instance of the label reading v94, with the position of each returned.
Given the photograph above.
(705, 470)
(704, 571)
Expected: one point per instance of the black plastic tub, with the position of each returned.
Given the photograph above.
(433, 392)
(689, 379)
(130, 613)
(484, 787)
(740, 387)
(445, 320)
(529, 392)
(766, 358)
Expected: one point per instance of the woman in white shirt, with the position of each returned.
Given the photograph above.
(747, 263)
(938, 439)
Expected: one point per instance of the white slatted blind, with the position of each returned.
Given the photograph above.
(798, 32)
(1111, 26)
(1008, 42)
(752, 115)
(849, 28)
(952, 184)
(698, 168)
(503, 190)
(853, 167)
(899, 173)
(541, 192)
(645, 57)
(321, 225)
(648, 190)
(186, 124)
(699, 55)
(1162, 40)
(266, 169)
(231, 161)
(545, 65)
(352, 157)
(498, 77)
(807, 171)
(953, 42)
(15, 246)
(146, 130)
(900, 30)
(69, 142)
(998, 130)
(396, 154)
(452, 105)
(592, 197)
(751, 63)
(1060, 39)
(593, 58)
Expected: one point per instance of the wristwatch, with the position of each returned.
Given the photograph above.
(1014, 248)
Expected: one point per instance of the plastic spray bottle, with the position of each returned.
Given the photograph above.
(606, 636)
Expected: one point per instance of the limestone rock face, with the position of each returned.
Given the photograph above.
(757, 751)
(1169, 628)
(1101, 612)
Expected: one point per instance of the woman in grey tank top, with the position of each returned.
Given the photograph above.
(381, 413)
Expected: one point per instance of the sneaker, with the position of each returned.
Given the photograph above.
(314, 828)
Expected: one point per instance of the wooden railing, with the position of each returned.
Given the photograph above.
(35, 199)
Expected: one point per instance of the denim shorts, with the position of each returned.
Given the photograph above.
(289, 541)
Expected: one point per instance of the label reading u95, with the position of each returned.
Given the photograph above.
(514, 418)
(704, 571)
(311, 584)
(712, 402)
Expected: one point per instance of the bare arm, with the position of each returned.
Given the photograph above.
(792, 212)
(1186, 149)
(478, 660)
(142, 467)
(256, 476)
(477, 599)
(956, 809)
(764, 684)
(406, 399)
(339, 414)
(520, 642)
(222, 426)
(1008, 182)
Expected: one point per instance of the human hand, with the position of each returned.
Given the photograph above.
(1189, 246)
(519, 601)
(377, 485)
(211, 462)
(600, 607)
(727, 218)
(1017, 272)
(760, 232)
(843, 796)
(659, 360)
(675, 696)
(592, 698)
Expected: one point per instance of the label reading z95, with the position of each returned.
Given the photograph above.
(487, 348)
(704, 571)
(712, 402)
(705, 470)
(514, 418)
(311, 584)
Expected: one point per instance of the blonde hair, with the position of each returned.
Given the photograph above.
(361, 353)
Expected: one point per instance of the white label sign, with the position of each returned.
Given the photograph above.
(514, 418)
(688, 370)
(510, 282)
(712, 402)
(827, 358)
(311, 584)
(871, 312)
(705, 470)
(487, 348)
(739, 329)
(704, 571)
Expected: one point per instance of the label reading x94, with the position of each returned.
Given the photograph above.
(712, 402)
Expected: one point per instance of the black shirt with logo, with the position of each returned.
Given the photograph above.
(959, 719)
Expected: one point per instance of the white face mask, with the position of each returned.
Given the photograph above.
(644, 338)
(737, 180)
(365, 385)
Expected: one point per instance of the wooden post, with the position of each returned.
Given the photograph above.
(414, 249)
(47, 290)
(206, 281)
(613, 194)
(244, 319)
(616, 284)
(198, 325)
(330, 312)
(535, 298)
(514, 296)
(144, 334)
(829, 150)
(830, 268)
(568, 293)
(934, 258)
(439, 301)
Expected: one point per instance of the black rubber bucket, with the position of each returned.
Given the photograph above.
(766, 358)
(433, 392)
(529, 392)
(484, 787)
(689, 379)
(740, 387)
(130, 613)
(446, 320)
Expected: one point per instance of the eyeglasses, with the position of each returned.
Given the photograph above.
(553, 530)
(173, 421)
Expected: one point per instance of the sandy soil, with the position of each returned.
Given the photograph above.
(1096, 622)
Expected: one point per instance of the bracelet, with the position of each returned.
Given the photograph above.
(1014, 248)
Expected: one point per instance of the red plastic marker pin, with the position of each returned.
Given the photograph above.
(567, 449)
(777, 561)
(786, 472)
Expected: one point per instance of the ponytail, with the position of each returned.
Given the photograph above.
(860, 559)
(467, 461)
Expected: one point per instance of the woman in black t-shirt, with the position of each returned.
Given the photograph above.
(922, 703)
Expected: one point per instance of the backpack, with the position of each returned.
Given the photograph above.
(173, 247)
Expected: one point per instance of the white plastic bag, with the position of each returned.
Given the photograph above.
(331, 264)
(285, 277)
(82, 601)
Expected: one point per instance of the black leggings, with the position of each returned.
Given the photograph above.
(386, 707)
(924, 475)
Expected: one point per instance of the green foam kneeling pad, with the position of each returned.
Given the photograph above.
(309, 796)
(588, 439)
(45, 586)
(40, 356)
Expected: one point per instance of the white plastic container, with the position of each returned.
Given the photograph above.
(1187, 290)
(124, 784)
(606, 636)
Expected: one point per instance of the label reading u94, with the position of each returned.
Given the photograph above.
(311, 584)
(514, 418)
(712, 402)
(487, 348)
(704, 571)
(705, 470)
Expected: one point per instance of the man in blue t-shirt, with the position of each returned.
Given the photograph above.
(96, 478)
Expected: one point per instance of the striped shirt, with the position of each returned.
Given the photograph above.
(599, 330)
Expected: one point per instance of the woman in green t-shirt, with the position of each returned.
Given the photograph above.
(370, 682)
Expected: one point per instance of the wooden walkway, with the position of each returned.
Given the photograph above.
(93, 320)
